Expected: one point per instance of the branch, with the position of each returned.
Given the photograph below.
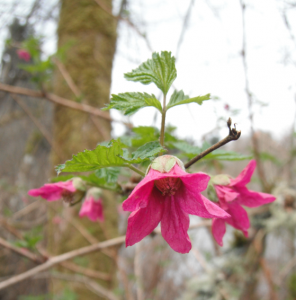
(24, 252)
(43, 130)
(266, 187)
(232, 136)
(60, 101)
(60, 258)
(71, 254)
(92, 285)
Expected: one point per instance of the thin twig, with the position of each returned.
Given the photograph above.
(60, 258)
(44, 132)
(24, 252)
(128, 21)
(266, 187)
(60, 101)
(135, 170)
(63, 257)
(92, 285)
(232, 136)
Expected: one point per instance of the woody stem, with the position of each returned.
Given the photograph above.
(232, 136)
(161, 140)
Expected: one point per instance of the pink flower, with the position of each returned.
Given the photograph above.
(168, 194)
(231, 196)
(62, 189)
(92, 206)
(23, 54)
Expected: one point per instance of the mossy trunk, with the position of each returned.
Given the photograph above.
(88, 35)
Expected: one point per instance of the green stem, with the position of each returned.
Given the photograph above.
(135, 170)
(162, 130)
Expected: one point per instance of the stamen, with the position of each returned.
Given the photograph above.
(168, 186)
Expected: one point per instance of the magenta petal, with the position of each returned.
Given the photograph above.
(139, 197)
(93, 209)
(214, 209)
(196, 182)
(174, 226)
(192, 203)
(239, 218)
(143, 221)
(225, 193)
(245, 176)
(65, 185)
(49, 191)
(218, 230)
(253, 199)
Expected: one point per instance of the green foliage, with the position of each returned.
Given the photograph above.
(110, 174)
(29, 241)
(67, 294)
(179, 98)
(160, 70)
(129, 103)
(265, 156)
(112, 155)
(191, 151)
(145, 152)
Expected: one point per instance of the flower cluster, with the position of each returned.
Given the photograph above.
(231, 196)
(167, 195)
(69, 190)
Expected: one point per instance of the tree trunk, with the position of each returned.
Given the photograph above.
(87, 34)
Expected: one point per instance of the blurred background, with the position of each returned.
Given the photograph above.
(66, 53)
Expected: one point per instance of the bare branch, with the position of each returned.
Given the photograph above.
(60, 101)
(232, 136)
(92, 285)
(23, 252)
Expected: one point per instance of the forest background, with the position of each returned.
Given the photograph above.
(242, 52)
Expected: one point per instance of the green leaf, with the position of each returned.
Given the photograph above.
(191, 151)
(109, 174)
(145, 152)
(160, 70)
(129, 103)
(90, 160)
(179, 98)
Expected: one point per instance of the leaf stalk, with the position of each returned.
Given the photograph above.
(162, 130)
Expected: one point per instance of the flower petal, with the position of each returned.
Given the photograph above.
(239, 218)
(218, 230)
(143, 221)
(225, 193)
(174, 225)
(245, 176)
(193, 203)
(252, 198)
(93, 209)
(49, 192)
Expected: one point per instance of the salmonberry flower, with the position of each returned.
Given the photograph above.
(65, 190)
(231, 195)
(92, 206)
(168, 194)
(23, 54)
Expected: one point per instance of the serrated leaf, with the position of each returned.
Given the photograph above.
(160, 70)
(90, 160)
(145, 152)
(179, 98)
(109, 174)
(129, 103)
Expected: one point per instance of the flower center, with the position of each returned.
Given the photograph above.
(67, 196)
(168, 185)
